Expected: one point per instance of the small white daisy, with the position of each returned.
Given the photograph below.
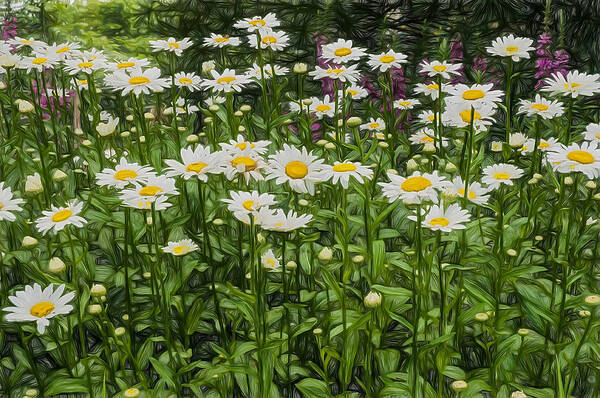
(406, 103)
(386, 60)
(476, 193)
(355, 92)
(191, 81)
(197, 163)
(269, 261)
(128, 64)
(242, 204)
(281, 222)
(180, 247)
(59, 217)
(416, 188)
(123, 174)
(584, 157)
(156, 187)
(342, 51)
(39, 62)
(426, 136)
(267, 71)
(227, 81)
(459, 115)
(322, 107)
(259, 147)
(342, 171)
(430, 89)
(592, 132)
(501, 173)
(437, 68)
(377, 125)
(438, 219)
(136, 80)
(262, 24)
(171, 45)
(220, 41)
(343, 73)
(245, 162)
(546, 109)
(477, 95)
(8, 203)
(274, 40)
(511, 46)
(297, 167)
(574, 84)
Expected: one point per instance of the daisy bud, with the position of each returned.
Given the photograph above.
(59, 176)
(97, 290)
(238, 114)
(245, 108)
(411, 165)
(168, 111)
(532, 181)
(208, 66)
(518, 394)
(340, 123)
(208, 120)
(325, 254)
(32, 392)
(147, 275)
(383, 144)
(241, 129)
(248, 275)
(424, 161)
(449, 196)
(539, 238)
(133, 129)
(86, 143)
(317, 331)
(120, 331)
(33, 185)
(451, 167)
(259, 238)
(517, 140)
(2, 86)
(94, 309)
(29, 241)
(129, 118)
(585, 313)
(131, 393)
(181, 129)
(372, 300)
(511, 252)
(354, 121)
(192, 138)
(597, 196)
(56, 265)
(429, 148)
(142, 138)
(322, 142)
(213, 108)
(330, 146)
(417, 156)
(523, 332)
(307, 101)
(24, 106)
(303, 202)
(125, 317)
(291, 265)
(538, 176)
(392, 171)
(300, 68)
(568, 180)
(459, 385)
(149, 116)
(358, 259)
(496, 146)
(30, 150)
(103, 298)
(218, 221)
(481, 317)
(149, 220)
(592, 300)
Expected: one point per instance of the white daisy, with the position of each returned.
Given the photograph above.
(262, 24)
(59, 217)
(584, 157)
(139, 202)
(37, 305)
(269, 261)
(501, 173)
(267, 70)
(172, 45)
(82, 84)
(342, 171)
(19, 42)
(220, 41)
(227, 81)
(242, 204)
(137, 81)
(191, 81)
(128, 64)
(245, 162)
(180, 247)
(438, 219)
(511, 46)
(476, 95)
(427, 117)
(592, 132)
(281, 222)
(413, 189)
(198, 163)
(459, 115)
(63, 50)
(437, 68)
(8, 203)
(406, 103)
(546, 109)
(298, 168)
(259, 147)
(83, 64)
(373, 125)
(39, 62)
(476, 193)
(275, 40)
(355, 92)
(343, 73)
(386, 60)
(156, 187)
(322, 107)
(574, 84)
(342, 51)
(123, 174)
(430, 89)
(426, 136)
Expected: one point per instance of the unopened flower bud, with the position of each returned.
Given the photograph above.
(147, 275)
(372, 300)
(511, 252)
(94, 309)
(33, 185)
(192, 138)
(29, 241)
(459, 385)
(56, 265)
(303, 202)
(451, 167)
(307, 101)
(585, 313)
(120, 331)
(291, 265)
(131, 393)
(213, 108)
(523, 332)
(592, 301)
(411, 165)
(322, 142)
(218, 221)
(24, 106)
(354, 121)
(568, 180)
(538, 176)
(330, 146)
(97, 290)
(208, 66)
(238, 114)
(518, 394)
(300, 68)
(496, 146)
(590, 185)
(383, 144)
(58, 176)
(325, 254)
(358, 259)
(481, 317)
(317, 331)
(245, 108)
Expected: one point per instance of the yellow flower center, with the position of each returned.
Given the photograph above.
(386, 59)
(83, 82)
(473, 94)
(581, 157)
(195, 167)
(221, 39)
(257, 22)
(336, 71)
(185, 80)
(39, 61)
(26, 41)
(404, 103)
(343, 167)
(269, 40)
(373, 125)
(249, 163)
(1, 206)
(85, 64)
(415, 184)
(63, 49)
(466, 116)
(180, 249)
(570, 86)
(42, 309)
(61, 215)
(296, 169)
(225, 79)
(540, 107)
(512, 49)
(248, 204)
(439, 68)
(123, 175)
(150, 190)
(439, 221)
(124, 65)
(427, 139)
(271, 262)
(471, 194)
(502, 176)
(174, 45)
(323, 108)
(351, 92)
(139, 80)
(433, 86)
(544, 145)
(341, 52)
